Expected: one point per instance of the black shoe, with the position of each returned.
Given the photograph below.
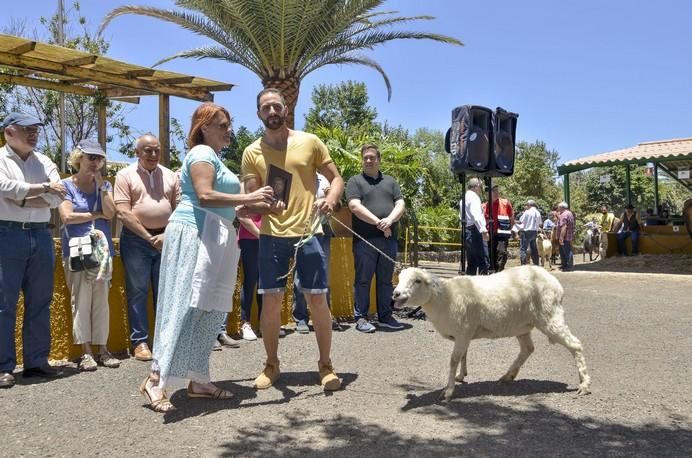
(225, 340)
(6, 380)
(45, 371)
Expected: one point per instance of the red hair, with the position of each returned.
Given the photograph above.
(200, 118)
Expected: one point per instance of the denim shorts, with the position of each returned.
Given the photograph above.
(275, 254)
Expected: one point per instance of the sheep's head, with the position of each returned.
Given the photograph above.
(414, 288)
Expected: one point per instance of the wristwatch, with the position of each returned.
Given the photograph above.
(103, 188)
(46, 187)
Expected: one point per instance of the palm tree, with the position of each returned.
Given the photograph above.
(282, 41)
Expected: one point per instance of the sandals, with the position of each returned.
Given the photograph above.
(162, 405)
(218, 394)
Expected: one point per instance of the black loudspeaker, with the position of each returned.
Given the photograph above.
(505, 132)
(470, 140)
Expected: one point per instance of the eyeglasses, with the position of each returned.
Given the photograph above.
(94, 157)
(29, 130)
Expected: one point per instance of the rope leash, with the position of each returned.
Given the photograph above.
(397, 265)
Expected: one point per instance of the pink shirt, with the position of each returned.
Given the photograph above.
(244, 234)
(152, 195)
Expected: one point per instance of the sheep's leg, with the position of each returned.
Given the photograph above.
(525, 350)
(461, 345)
(462, 369)
(560, 333)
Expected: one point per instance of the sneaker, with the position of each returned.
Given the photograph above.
(302, 327)
(217, 346)
(225, 340)
(282, 332)
(268, 376)
(336, 326)
(87, 363)
(390, 323)
(106, 359)
(328, 377)
(364, 325)
(142, 352)
(247, 332)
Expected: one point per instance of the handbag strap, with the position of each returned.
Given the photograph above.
(93, 209)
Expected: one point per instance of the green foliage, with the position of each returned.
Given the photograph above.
(81, 114)
(535, 167)
(344, 105)
(430, 221)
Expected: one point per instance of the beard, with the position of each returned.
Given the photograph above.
(274, 122)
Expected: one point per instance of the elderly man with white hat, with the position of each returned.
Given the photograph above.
(29, 187)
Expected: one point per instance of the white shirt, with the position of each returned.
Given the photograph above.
(531, 219)
(474, 212)
(15, 177)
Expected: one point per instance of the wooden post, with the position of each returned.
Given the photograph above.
(102, 123)
(165, 129)
(565, 187)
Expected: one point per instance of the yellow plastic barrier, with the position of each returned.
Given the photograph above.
(62, 347)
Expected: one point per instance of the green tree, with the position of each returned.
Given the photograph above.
(283, 41)
(81, 113)
(344, 105)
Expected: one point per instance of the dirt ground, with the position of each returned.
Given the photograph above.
(635, 328)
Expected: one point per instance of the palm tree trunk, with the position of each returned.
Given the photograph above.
(290, 88)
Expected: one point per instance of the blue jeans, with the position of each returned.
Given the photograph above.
(27, 263)
(249, 257)
(621, 242)
(141, 262)
(477, 262)
(300, 307)
(529, 242)
(566, 256)
(369, 262)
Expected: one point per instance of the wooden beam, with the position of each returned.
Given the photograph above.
(139, 72)
(44, 84)
(23, 48)
(165, 129)
(102, 77)
(79, 61)
(133, 100)
(175, 80)
(112, 92)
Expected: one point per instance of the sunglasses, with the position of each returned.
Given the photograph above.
(94, 157)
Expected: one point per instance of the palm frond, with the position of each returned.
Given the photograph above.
(353, 59)
(212, 52)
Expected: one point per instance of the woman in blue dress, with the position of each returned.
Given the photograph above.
(185, 328)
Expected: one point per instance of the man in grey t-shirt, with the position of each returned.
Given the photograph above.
(376, 203)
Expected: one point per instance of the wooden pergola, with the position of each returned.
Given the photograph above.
(34, 64)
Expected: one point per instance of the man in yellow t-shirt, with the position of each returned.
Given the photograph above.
(296, 156)
(607, 219)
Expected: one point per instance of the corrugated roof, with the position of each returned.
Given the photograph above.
(672, 154)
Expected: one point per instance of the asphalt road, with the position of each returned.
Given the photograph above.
(635, 329)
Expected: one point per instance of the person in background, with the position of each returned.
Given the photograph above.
(630, 226)
(300, 308)
(565, 233)
(29, 187)
(197, 264)
(503, 221)
(146, 193)
(607, 219)
(377, 205)
(531, 222)
(248, 240)
(476, 235)
(88, 209)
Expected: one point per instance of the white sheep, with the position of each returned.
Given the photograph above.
(507, 304)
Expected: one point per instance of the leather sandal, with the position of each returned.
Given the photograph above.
(218, 394)
(162, 405)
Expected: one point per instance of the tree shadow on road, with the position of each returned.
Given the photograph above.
(484, 428)
(291, 384)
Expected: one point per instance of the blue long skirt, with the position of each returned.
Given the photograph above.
(184, 336)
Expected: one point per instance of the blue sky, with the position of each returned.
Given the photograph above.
(585, 76)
